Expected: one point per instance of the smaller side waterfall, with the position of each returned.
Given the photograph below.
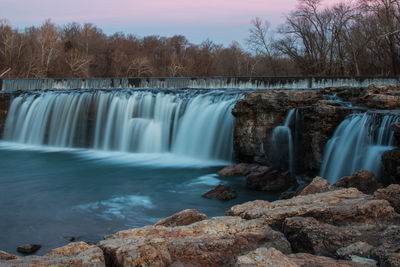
(282, 150)
(358, 143)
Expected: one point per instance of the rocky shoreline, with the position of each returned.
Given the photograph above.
(353, 222)
(335, 226)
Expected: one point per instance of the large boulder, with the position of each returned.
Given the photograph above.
(213, 242)
(318, 185)
(268, 179)
(184, 217)
(73, 254)
(241, 169)
(221, 192)
(339, 207)
(391, 194)
(306, 234)
(363, 180)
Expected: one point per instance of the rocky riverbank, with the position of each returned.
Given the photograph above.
(335, 227)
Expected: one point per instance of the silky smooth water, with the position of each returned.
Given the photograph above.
(47, 195)
(89, 163)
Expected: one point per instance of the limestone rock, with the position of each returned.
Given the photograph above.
(268, 179)
(213, 242)
(391, 163)
(391, 194)
(363, 180)
(381, 97)
(241, 169)
(388, 251)
(6, 256)
(309, 260)
(267, 257)
(221, 192)
(184, 217)
(73, 254)
(339, 207)
(318, 185)
(271, 257)
(306, 234)
(29, 248)
(359, 248)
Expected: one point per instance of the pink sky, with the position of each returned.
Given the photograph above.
(219, 20)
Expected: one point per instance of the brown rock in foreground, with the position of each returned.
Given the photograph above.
(363, 180)
(391, 194)
(306, 234)
(181, 218)
(214, 242)
(73, 254)
(340, 207)
(271, 257)
(241, 169)
(318, 185)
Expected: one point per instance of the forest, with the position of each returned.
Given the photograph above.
(351, 38)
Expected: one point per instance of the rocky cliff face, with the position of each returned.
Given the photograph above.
(259, 112)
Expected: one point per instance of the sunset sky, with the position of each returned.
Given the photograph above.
(219, 20)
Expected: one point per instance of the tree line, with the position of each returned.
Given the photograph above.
(346, 39)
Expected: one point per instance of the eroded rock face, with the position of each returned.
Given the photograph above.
(380, 97)
(391, 194)
(268, 179)
(363, 180)
(339, 207)
(318, 185)
(272, 257)
(268, 257)
(184, 217)
(214, 242)
(73, 254)
(306, 234)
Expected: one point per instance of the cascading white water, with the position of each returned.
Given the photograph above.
(199, 125)
(282, 149)
(358, 143)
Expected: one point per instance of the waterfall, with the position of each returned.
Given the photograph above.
(196, 82)
(358, 143)
(282, 149)
(194, 124)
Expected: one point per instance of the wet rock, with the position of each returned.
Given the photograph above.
(306, 234)
(318, 185)
(391, 163)
(268, 257)
(221, 192)
(381, 97)
(6, 256)
(241, 169)
(268, 179)
(184, 217)
(309, 260)
(74, 254)
(213, 242)
(363, 180)
(391, 194)
(339, 207)
(29, 248)
(360, 248)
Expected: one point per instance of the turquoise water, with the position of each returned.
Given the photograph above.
(49, 194)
